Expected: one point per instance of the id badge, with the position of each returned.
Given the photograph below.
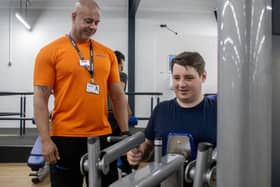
(84, 62)
(92, 88)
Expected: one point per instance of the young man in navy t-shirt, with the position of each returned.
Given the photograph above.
(189, 112)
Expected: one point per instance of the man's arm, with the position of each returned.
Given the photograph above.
(41, 114)
(119, 104)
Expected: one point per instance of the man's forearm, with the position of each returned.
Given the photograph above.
(121, 114)
(41, 111)
(42, 122)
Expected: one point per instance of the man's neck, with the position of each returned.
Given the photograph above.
(77, 39)
(190, 104)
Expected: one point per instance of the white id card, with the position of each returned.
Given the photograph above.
(92, 88)
(84, 62)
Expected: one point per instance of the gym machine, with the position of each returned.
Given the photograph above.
(97, 161)
(202, 171)
(168, 171)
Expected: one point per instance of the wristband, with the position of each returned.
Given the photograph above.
(125, 133)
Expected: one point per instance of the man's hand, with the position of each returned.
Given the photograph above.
(134, 156)
(50, 151)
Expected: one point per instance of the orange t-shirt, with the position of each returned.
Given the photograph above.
(77, 113)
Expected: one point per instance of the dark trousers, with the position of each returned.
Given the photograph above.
(125, 166)
(66, 172)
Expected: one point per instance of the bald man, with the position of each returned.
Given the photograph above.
(80, 72)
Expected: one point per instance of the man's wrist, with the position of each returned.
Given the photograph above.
(125, 133)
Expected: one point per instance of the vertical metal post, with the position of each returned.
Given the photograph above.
(158, 100)
(152, 104)
(245, 92)
(94, 175)
(132, 9)
(202, 163)
(157, 149)
(24, 114)
(21, 115)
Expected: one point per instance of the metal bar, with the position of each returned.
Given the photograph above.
(15, 93)
(21, 116)
(144, 93)
(7, 118)
(157, 150)
(9, 113)
(202, 163)
(132, 8)
(24, 114)
(143, 118)
(153, 174)
(94, 175)
(152, 104)
(164, 172)
(113, 152)
(158, 100)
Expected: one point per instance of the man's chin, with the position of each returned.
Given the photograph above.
(184, 95)
(87, 36)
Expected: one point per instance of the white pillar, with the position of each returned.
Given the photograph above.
(245, 93)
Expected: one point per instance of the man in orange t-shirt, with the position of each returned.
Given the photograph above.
(81, 73)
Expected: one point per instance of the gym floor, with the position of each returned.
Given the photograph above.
(17, 174)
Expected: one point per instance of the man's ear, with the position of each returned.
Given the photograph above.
(74, 14)
(204, 76)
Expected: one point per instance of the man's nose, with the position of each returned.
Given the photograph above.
(182, 83)
(93, 26)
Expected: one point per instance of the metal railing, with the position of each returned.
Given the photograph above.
(153, 96)
(21, 115)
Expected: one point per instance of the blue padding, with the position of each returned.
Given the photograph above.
(132, 121)
(36, 150)
(36, 162)
(36, 159)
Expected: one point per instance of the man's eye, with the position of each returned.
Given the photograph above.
(189, 78)
(88, 21)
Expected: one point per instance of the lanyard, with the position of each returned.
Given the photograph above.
(90, 69)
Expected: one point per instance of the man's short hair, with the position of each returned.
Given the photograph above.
(119, 56)
(192, 59)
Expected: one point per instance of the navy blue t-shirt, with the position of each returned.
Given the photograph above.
(199, 121)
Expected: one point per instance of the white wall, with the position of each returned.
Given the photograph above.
(153, 45)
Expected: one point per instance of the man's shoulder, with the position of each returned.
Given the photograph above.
(166, 104)
(211, 98)
(99, 46)
(61, 41)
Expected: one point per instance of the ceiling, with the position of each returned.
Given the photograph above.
(192, 6)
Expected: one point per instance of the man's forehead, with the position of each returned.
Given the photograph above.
(184, 69)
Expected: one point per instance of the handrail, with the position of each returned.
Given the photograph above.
(15, 93)
(143, 93)
(9, 113)
(151, 102)
(22, 113)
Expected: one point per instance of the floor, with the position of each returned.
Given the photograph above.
(17, 174)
